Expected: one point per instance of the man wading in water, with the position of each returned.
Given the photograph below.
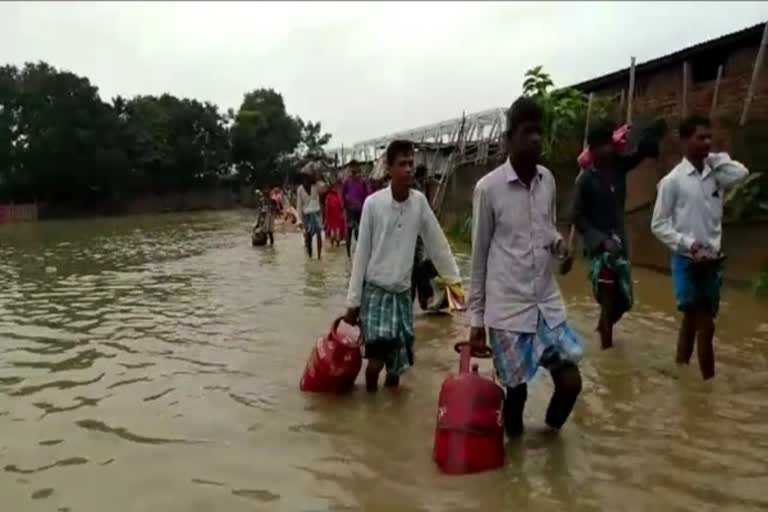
(598, 213)
(353, 194)
(687, 218)
(513, 291)
(308, 209)
(379, 294)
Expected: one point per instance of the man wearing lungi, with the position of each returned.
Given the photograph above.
(379, 295)
(513, 291)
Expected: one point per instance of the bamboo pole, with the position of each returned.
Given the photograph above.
(755, 76)
(716, 92)
(686, 80)
(589, 114)
(622, 99)
(631, 93)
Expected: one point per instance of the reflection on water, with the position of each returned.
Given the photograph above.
(153, 364)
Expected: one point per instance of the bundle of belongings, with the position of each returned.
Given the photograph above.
(435, 294)
(642, 136)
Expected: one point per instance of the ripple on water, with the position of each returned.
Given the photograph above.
(71, 461)
(256, 494)
(164, 324)
(123, 433)
(41, 494)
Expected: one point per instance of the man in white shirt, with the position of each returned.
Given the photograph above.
(514, 293)
(687, 218)
(379, 294)
(308, 208)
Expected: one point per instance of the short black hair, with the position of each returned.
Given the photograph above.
(397, 148)
(601, 133)
(523, 109)
(689, 124)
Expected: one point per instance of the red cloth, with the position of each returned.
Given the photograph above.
(334, 213)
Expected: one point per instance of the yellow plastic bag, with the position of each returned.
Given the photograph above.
(451, 294)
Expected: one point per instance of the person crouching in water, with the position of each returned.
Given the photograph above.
(513, 289)
(379, 295)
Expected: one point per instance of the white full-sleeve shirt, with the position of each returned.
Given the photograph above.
(387, 243)
(689, 203)
(307, 202)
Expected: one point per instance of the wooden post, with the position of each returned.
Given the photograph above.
(755, 75)
(631, 93)
(622, 99)
(686, 72)
(589, 114)
(715, 93)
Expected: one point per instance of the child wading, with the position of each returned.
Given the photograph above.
(334, 215)
(380, 286)
(687, 218)
(513, 292)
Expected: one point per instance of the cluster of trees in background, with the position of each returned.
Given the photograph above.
(61, 143)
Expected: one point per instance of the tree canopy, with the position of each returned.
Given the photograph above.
(60, 142)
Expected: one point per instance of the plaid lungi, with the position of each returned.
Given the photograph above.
(312, 224)
(622, 270)
(387, 324)
(517, 356)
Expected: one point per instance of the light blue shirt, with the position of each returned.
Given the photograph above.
(513, 233)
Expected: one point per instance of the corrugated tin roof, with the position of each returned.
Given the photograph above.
(749, 36)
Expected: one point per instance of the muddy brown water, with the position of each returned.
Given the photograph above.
(152, 364)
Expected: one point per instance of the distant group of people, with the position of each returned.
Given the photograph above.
(333, 209)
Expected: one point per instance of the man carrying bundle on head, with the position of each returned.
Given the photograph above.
(599, 201)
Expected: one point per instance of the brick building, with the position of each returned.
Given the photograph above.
(659, 82)
(659, 93)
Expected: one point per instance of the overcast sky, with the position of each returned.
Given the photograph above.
(362, 69)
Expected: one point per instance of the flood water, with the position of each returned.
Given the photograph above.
(152, 364)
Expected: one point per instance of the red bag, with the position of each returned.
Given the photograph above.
(333, 364)
(469, 437)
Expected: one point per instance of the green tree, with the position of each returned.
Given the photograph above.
(173, 144)
(60, 143)
(312, 141)
(263, 134)
(64, 139)
(8, 114)
(564, 109)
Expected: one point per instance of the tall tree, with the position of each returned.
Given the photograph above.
(174, 144)
(262, 134)
(312, 141)
(65, 139)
